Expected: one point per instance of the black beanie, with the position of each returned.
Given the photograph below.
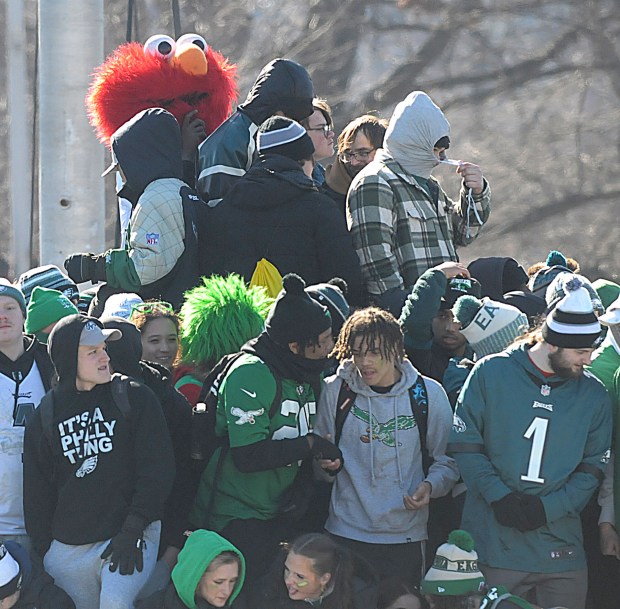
(333, 297)
(281, 135)
(295, 316)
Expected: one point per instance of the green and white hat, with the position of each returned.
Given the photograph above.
(455, 569)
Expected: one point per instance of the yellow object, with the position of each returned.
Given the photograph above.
(192, 60)
(267, 275)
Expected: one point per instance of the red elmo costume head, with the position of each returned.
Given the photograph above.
(178, 76)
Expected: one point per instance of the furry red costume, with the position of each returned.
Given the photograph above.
(178, 76)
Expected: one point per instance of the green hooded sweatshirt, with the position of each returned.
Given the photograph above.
(199, 551)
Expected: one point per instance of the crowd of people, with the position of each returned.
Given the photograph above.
(388, 428)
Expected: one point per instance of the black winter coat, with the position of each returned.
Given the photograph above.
(125, 357)
(275, 212)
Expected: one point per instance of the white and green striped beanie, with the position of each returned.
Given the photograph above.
(489, 326)
(455, 569)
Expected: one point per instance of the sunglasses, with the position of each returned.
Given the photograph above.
(152, 307)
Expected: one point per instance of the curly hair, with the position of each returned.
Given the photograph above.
(380, 331)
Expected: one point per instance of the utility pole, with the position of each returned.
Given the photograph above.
(71, 190)
(20, 135)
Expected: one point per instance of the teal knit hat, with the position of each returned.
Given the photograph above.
(8, 289)
(45, 307)
(455, 569)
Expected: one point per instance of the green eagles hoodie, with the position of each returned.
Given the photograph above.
(199, 551)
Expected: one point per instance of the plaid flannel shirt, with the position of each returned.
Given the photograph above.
(397, 231)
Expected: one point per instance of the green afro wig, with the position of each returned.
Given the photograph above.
(219, 316)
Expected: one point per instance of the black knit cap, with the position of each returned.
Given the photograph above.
(332, 295)
(295, 316)
(281, 135)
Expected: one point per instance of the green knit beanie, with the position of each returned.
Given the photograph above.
(45, 307)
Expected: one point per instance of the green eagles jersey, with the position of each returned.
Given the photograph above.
(514, 430)
(245, 399)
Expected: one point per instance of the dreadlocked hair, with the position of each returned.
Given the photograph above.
(219, 316)
(380, 331)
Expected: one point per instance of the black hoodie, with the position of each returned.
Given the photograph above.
(282, 85)
(125, 357)
(99, 467)
(275, 212)
(148, 148)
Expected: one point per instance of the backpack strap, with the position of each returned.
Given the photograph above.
(346, 398)
(46, 408)
(418, 396)
(120, 394)
(277, 398)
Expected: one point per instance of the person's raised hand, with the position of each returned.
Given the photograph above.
(472, 177)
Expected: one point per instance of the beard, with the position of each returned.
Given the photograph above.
(562, 368)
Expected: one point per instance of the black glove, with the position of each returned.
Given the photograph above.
(509, 511)
(534, 511)
(82, 267)
(125, 548)
(324, 449)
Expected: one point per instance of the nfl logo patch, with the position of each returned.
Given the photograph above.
(545, 390)
(152, 238)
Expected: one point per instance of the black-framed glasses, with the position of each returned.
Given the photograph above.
(324, 128)
(158, 306)
(361, 155)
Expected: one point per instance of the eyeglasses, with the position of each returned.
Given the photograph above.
(361, 155)
(326, 129)
(158, 306)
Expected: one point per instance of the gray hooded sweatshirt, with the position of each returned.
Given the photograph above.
(382, 458)
(417, 124)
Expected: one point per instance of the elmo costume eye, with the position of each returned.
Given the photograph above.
(187, 39)
(160, 45)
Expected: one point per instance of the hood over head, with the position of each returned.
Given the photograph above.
(197, 554)
(66, 337)
(125, 353)
(417, 124)
(282, 85)
(498, 275)
(148, 147)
